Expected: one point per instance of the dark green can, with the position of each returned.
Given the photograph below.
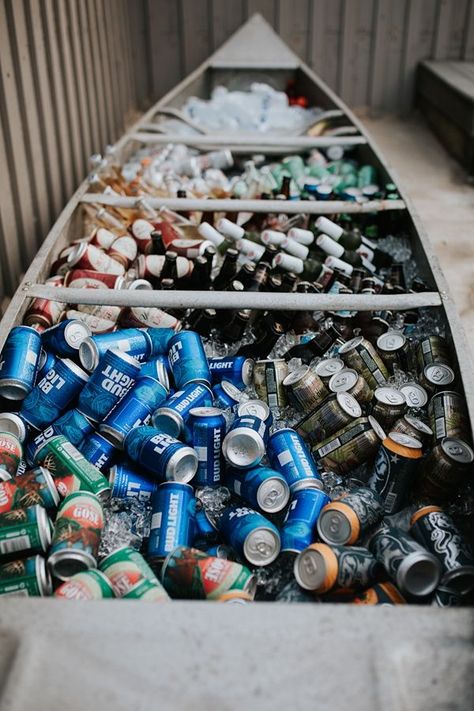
(24, 530)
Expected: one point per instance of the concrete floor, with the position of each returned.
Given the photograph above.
(444, 200)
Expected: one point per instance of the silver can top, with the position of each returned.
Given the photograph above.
(231, 390)
(457, 450)
(310, 569)
(350, 345)
(296, 375)
(273, 495)
(42, 574)
(405, 440)
(75, 333)
(183, 465)
(391, 341)
(378, 429)
(247, 371)
(89, 354)
(259, 408)
(334, 526)
(389, 396)
(349, 404)
(344, 380)
(328, 366)
(243, 447)
(419, 425)
(44, 527)
(12, 423)
(262, 546)
(439, 374)
(414, 394)
(205, 411)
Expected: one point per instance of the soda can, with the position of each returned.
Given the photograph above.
(436, 531)
(237, 370)
(437, 376)
(433, 349)
(28, 577)
(207, 427)
(11, 453)
(380, 594)
(77, 531)
(19, 362)
(172, 521)
(250, 534)
(226, 395)
(388, 406)
(123, 250)
(64, 338)
(115, 374)
(445, 469)
(43, 312)
(244, 443)
(89, 279)
(268, 377)
(65, 461)
(188, 360)
(443, 597)
(152, 317)
(394, 469)
(190, 574)
(160, 342)
(174, 413)
(53, 394)
(305, 389)
(94, 316)
(156, 368)
(322, 568)
(34, 487)
(46, 361)
(99, 451)
(256, 408)
(161, 455)
(349, 381)
(414, 570)
(415, 395)
(74, 426)
(12, 423)
(133, 341)
(327, 367)
(291, 592)
(345, 520)
(261, 487)
(89, 585)
(413, 427)
(360, 355)
(126, 568)
(299, 528)
(24, 531)
(447, 412)
(126, 483)
(133, 409)
(147, 591)
(393, 348)
(87, 256)
(353, 445)
(333, 414)
(289, 455)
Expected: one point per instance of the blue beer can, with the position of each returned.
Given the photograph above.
(206, 427)
(163, 456)
(160, 340)
(226, 395)
(65, 338)
(172, 519)
(54, 393)
(289, 455)
(205, 534)
(74, 426)
(113, 377)
(250, 534)
(238, 370)
(19, 362)
(299, 528)
(157, 368)
(172, 416)
(126, 483)
(134, 341)
(46, 361)
(261, 487)
(34, 444)
(244, 443)
(188, 360)
(99, 451)
(133, 409)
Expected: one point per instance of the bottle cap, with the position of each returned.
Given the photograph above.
(335, 263)
(230, 229)
(288, 262)
(295, 248)
(209, 233)
(329, 246)
(329, 228)
(272, 237)
(302, 236)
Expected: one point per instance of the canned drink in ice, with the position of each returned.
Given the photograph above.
(19, 361)
(360, 355)
(414, 570)
(414, 394)
(244, 443)
(346, 519)
(433, 349)
(46, 361)
(114, 375)
(414, 428)
(133, 409)
(99, 451)
(299, 528)
(149, 318)
(127, 569)
(380, 594)
(305, 389)
(28, 577)
(89, 585)
(87, 256)
(156, 368)
(327, 367)
(64, 338)
(250, 534)
(393, 349)
(207, 428)
(321, 568)
(268, 377)
(333, 414)
(445, 469)
(388, 406)
(205, 533)
(436, 531)
(161, 455)
(77, 531)
(23, 531)
(43, 313)
(53, 394)
(447, 412)
(394, 469)
(174, 413)
(36, 486)
(11, 453)
(353, 445)
(256, 408)
(74, 426)
(172, 520)
(436, 376)
(261, 487)
(188, 360)
(350, 381)
(89, 279)
(160, 341)
(289, 455)
(12, 423)
(237, 370)
(226, 395)
(136, 342)
(188, 573)
(126, 483)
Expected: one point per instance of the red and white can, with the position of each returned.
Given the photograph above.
(45, 313)
(86, 256)
(101, 311)
(96, 324)
(143, 317)
(150, 266)
(102, 237)
(141, 231)
(89, 279)
(60, 266)
(124, 250)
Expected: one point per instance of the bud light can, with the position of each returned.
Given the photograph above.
(236, 369)
(46, 361)
(134, 341)
(160, 340)
(299, 527)
(74, 426)
(65, 338)
(99, 451)
(260, 487)
(163, 456)
(174, 413)
(250, 534)
(157, 368)
(172, 520)
(207, 427)
(226, 394)
(19, 362)
(188, 360)
(289, 455)
(244, 444)
(126, 483)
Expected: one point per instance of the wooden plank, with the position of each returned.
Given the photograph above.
(419, 27)
(166, 55)
(324, 54)
(458, 24)
(106, 18)
(195, 25)
(294, 27)
(442, 29)
(356, 51)
(468, 38)
(226, 17)
(266, 8)
(10, 224)
(387, 55)
(140, 49)
(100, 67)
(90, 79)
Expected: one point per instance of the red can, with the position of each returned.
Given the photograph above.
(88, 279)
(43, 312)
(150, 266)
(86, 256)
(124, 250)
(95, 323)
(103, 238)
(141, 231)
(142, 317)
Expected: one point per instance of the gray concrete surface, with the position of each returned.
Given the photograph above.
(442, 196)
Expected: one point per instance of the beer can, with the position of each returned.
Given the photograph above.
(99, 451)
(380, 594)
(207, 428)
(321, 568)
(147, 591)
(205, 533)
(134, 341)
(148, 317)
(126, 483)
(87, 256)
(156, 368)
(414, 570)
(444, 597)
(447, 412)
(244, 444)
(36, 486)
(25, 530)
(345, 520)
(28, 577)
(299, 527)
(250, 534)
(188, 360)
(76, 536)
(89, 279)
(237, 370)
(268, 377)
(11, 453)
(172, 416)
(414, 394)
(256, 408)
(414, 428)
(74, 426)
(289, 455)
(347, 380)
(393, 346)
(160, 342)
(291, 592)
(88, 585)
(360, 355)
(46, 361)
(353, 445)
(327, 367)
(12, 423)
(389, 405)
(333, 414)
(226, 394)
(161, 455)
(436, 531)
(64, 338)
(394, 469)
(126, 569)
(437, 376)
(43, 313)
(190, 574)
(19, 362)
(305, 388)
(261, 487)
(446, 468)
(433, 349)
(237, 597)
(123, 250)
(96, 324)
(172, 520)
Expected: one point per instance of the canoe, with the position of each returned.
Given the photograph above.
(364, 658)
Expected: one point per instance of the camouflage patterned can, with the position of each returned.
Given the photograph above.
(388, 405)
(447, 411)
(28, 577)
(432, 349)
(413, 427)
(332, 415)
(380, 594)
(321, 568)
(88, 585)
(24, 530)
(445, 469)
(268, 376)
(127, 570)
(353, 445)
(360, 355)
(305, 389)
(36, 486)
(350, 381)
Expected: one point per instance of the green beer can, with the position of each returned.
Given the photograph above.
(25, 578)
(88, 585)
(24, 530)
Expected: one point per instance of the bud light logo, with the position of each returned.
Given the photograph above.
(172, 522)
(174, 354)
(51, 380)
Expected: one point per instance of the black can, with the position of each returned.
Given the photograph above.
(448, 416)
(321, 568)
(394, 469)
(443, 597)
(445, 469)
(344, 520)
(333, 414)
